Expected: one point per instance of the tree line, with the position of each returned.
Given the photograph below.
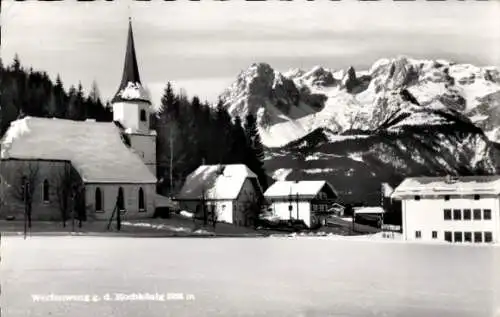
(191, 133)
(26, 92)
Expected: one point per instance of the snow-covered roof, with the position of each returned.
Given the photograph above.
(133, 91)
(218, 182)
(304, 189)
(438, 186)
(387, 190)
(369, 210)
(95, 149)
(336, 206)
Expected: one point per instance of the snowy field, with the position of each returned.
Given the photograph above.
(248, 277)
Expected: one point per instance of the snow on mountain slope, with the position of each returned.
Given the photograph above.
(293, 104)
(405, 145)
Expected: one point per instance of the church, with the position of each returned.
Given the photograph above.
(52, 166)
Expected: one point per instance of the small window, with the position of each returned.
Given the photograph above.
(417, 198)
(457, 214)
(46, 196)
(447, 197)
(467, 236)
(477, 214)
(477, 197)
(447, 236)
(418, 234)
(447, 214)
(487, 214)
(457, 235)
(467, 214)
(488, 236)
(434, 234)
(478, 237)
(143, 115)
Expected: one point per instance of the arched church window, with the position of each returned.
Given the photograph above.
(98, 199)
(46, 196)
(141, 199)
(143, 115)
(120, 200)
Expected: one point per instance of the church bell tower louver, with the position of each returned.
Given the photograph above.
(132, 107)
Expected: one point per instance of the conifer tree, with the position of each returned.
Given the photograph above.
(223, 126)
(239, 147)
(256, 161)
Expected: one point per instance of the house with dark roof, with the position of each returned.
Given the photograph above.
(454, 209)
(60, 165)
(229, 192)
(310, 201)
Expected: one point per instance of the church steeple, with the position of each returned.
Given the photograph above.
(130, 88)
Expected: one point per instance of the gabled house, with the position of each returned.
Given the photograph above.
(336, 209)
(230, 192)
(309, 201)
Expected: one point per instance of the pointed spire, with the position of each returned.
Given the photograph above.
(130, 69)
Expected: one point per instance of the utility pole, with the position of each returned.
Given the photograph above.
(73, 209)
(119, 207)
(297, 202)
(171, 139)
(25, 200)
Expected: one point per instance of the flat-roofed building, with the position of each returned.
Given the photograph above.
(454, 209)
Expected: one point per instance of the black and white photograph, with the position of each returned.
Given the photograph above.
(250, 158)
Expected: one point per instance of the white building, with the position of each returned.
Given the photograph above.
(230, 191)
(305, 200)
(464, 209)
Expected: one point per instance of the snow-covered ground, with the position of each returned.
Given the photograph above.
(249, 277)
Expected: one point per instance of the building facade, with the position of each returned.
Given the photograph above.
(309, 201)
(230, 192)
(458, 210)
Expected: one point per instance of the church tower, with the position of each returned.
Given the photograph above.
(132, 107)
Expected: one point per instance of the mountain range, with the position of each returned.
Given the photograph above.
(357, 129)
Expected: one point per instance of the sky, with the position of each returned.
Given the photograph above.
(202, 46)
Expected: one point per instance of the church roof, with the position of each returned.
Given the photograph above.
(95, 149)
(131, 87)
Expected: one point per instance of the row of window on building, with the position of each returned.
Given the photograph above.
(319, 207)
(467, 214)
(99, 198)
(459, 236)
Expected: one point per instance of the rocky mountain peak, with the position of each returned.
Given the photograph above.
(295, 103)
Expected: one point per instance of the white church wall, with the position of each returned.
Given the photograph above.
(109, 193)
(128, 114)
